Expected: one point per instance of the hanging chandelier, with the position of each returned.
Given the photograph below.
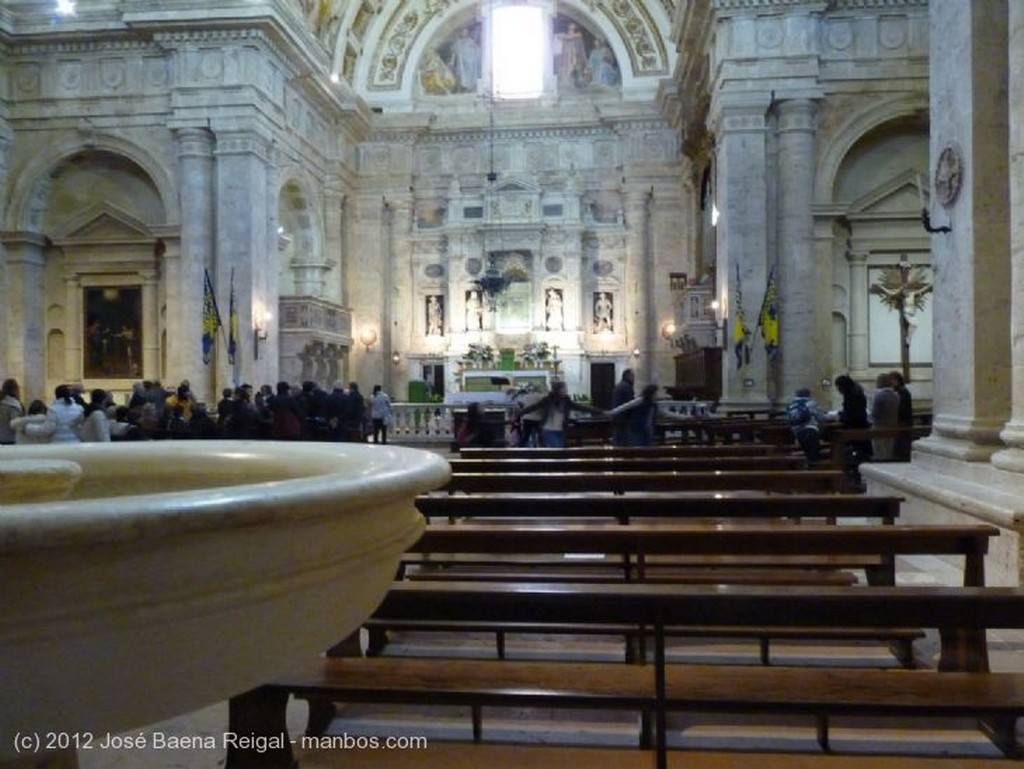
(492, 283)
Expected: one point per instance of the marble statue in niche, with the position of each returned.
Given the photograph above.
(474, 311)
(604, 312)
(554, 310)
(435, 315)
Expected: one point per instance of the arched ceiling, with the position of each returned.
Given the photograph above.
(375, 45)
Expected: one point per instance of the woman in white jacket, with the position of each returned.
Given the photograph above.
(35, 427)
(66, 415)
(96, 427)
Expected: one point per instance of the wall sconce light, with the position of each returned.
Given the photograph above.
(367, 337)
(668, 331)
(396, 358)
(636, 352)
(259, 332)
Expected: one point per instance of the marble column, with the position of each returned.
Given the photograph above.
(857, 332)
(334, 238)
(968, 149)
(632, 311)
(151, 329)
(800, 277)
(1013, 433)
(183, 266)
(25, 313)
(742, 199)
(243, 210)
(73, 364)
(402, 304)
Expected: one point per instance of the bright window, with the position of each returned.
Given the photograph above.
(518, 63)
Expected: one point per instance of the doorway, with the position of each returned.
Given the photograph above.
(602, 384)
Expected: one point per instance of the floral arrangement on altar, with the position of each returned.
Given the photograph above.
(535, 352)
(481, 355)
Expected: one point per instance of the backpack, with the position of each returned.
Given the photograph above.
(798, 413)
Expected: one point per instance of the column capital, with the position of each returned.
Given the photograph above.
(797, 115)
(194, 142)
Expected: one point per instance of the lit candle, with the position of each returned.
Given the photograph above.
(920, 191)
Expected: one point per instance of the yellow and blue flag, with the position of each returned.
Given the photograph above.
(211, 317)
(768, 318)
(232, 322)
(740, 330)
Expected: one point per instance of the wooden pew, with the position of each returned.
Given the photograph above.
(839, 439)
(961, 615)
(589, 452)
(724, 505)
(785, 481)
(726, 546)
(718, 554)
(628, 464)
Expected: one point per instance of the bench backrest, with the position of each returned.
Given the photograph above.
(961, 614)
(970, 541)
(627, 464)
(768, 480)
(699, 505)
(585, 452)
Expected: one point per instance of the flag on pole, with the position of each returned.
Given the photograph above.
(232, 322)
(741, 332)
(768, 318)
(211, 317)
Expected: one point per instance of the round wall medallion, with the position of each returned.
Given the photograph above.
(553, 264)
(474, 265)
(949, 175)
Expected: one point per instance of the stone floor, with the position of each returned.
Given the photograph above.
(533, 725)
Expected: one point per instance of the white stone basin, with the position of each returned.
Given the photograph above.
(242, 558)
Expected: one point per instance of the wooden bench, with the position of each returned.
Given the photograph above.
(873, 548)
(468, 755)
(718, 554)
(589, 452)
(628, 464)
(961, 615)
(721, 505)
(784, 481)
(839, 439)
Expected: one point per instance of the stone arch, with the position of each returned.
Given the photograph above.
(32, 186)
(388, 67)
(854, 129)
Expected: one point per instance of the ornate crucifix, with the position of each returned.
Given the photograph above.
(905, 289)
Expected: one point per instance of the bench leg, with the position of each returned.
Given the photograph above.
(347, 647)
(260, 712)
(822, 730)
(478, 722)
(499, 640)
(903, 650)
(1002, 731)
(646, 730)
(321, 713)
(376, 641)
(766, 657)
(633, 655)
(963, 649)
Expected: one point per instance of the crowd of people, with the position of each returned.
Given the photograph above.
(891, 406)
(539, 419)
(288, 412)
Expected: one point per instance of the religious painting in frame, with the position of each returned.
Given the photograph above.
(884, 325)
(112, 344)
